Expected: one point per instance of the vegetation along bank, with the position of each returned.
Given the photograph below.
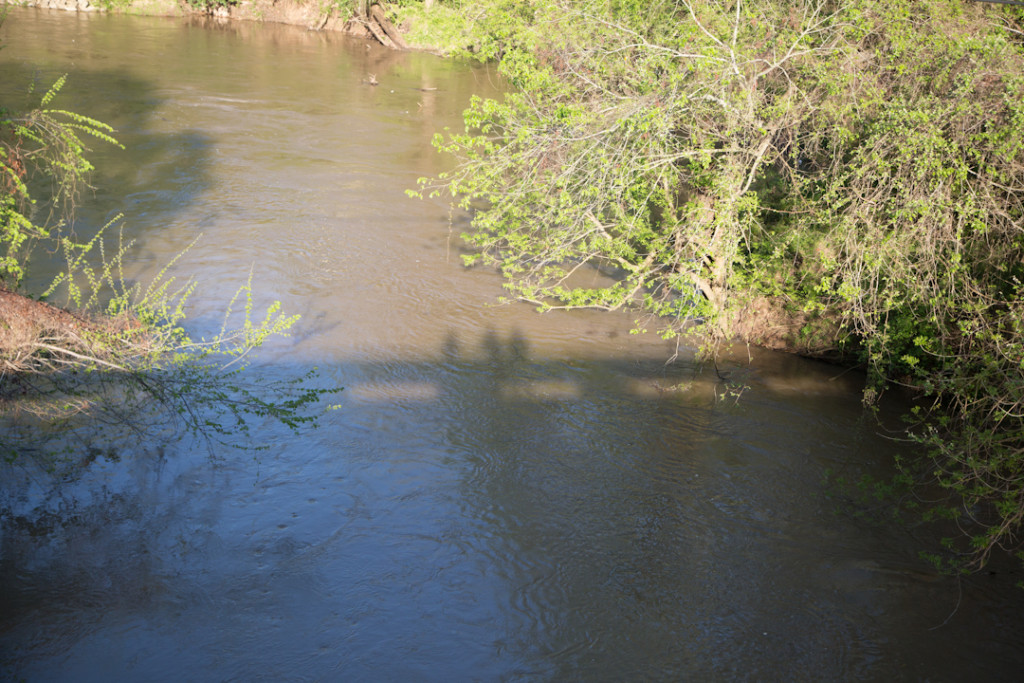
(115, 360)
(841, 178)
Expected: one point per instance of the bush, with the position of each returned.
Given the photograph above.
(122, 357)
(859, 162)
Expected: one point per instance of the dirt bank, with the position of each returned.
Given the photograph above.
(35, 337)
(311, 15)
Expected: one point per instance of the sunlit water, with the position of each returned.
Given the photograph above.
(501, 495)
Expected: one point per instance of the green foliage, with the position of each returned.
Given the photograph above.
(123, 360)
(861, 161)
(464, 28)
(634, 141)
(210, 5)
(132, 363)
(47, 142)
(114, 5)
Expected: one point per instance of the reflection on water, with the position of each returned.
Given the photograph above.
(502, 495)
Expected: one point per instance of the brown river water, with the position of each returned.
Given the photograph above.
(500, 495)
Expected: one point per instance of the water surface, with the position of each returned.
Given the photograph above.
(502, 495)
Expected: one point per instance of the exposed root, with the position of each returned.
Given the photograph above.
(36, 337)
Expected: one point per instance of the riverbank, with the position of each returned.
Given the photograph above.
(312, 16)
(291, 12)
(38, 337)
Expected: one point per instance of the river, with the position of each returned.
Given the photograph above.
(500, 494)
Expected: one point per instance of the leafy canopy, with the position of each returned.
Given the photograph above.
(854, 168)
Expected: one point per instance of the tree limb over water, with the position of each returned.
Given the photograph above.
(118, 355)
(851, 169)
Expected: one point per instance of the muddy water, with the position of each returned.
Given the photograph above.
(500, 496)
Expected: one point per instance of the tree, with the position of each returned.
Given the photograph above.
(850, 171)
(47, 142)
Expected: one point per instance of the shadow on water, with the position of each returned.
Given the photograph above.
(488, 513)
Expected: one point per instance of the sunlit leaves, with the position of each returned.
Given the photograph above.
(860, 161)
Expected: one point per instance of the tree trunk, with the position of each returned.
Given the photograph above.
(377, 15)
(378, 33)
